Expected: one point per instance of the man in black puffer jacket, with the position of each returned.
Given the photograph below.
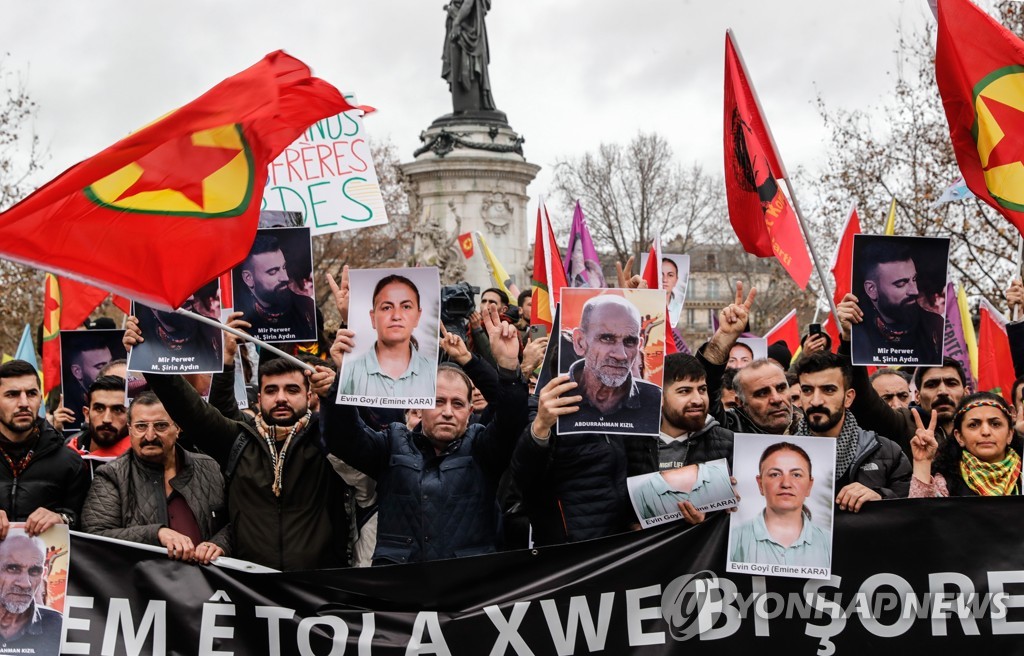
(42, 483)
(869, 467)
(689, 435)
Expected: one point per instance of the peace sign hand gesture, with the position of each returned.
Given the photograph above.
(456, 349)
(924, 444)
(733, 318)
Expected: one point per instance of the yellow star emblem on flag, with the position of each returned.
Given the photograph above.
(204, 174)
(999, 134)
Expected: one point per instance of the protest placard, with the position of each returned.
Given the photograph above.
(83, 353)
(900, 283)
(656, 496)
(783, 525)
(675, 278)
(328, 176)
(176, 344)
(617, 357)
(273, 286)
(395, 315)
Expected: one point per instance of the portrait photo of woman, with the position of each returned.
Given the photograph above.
(784, 530)
(396, 326)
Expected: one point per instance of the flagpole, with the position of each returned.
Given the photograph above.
(785, 177)
(810, 244)
(249, 338)
(1020, 266)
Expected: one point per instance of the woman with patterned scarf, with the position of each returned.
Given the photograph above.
(983, 459)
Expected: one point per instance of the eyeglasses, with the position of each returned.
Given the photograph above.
(142, 427)
(17, 570)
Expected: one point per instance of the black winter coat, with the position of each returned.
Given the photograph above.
(56, 478)
(713, 442)
(305, 527)
(881, 465)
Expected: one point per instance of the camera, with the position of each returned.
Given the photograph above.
(458, 301)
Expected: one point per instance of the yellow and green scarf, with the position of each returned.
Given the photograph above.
(991, 479)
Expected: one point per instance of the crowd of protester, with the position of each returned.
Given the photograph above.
(299, 482)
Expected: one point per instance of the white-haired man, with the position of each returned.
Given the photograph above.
(609, 342)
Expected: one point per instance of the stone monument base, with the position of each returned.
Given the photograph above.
(470, 176)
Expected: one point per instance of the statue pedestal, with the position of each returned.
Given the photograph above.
(470, 176)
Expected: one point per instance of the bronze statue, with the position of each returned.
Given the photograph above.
(466, 56)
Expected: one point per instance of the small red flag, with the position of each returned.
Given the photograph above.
(995, 363)
(842, 270)
(978, 69)
(548, 274)
(786, 330)
(180, 197)
(760, 214)
(466, 244)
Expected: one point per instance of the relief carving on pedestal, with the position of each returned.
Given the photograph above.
(496, 212)
(437, 247)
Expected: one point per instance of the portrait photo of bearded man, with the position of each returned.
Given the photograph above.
(272, 287)
(608, 345)
(893, 277)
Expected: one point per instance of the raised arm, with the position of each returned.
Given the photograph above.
(714, 355)
(207, 428)
(222, 389)
(344, 432)
(871, 411)
(505, 392)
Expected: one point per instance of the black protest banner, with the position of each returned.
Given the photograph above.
(909, 576)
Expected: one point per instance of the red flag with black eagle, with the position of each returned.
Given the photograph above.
(760, 213)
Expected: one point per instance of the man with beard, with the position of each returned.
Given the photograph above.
(106, 422)
(689, 435)
(285, 503)
(41, 482)
(25, 626)
(939, 390)
(869, 467)
(274, 310)
(608, 341)
(894, 321)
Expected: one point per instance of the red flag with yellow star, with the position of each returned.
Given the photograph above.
(979, 68)
(172, 206)
(466, 244)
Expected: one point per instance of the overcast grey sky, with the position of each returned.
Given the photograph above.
(569, 73)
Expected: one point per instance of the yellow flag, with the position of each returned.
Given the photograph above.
(6, 358)
(501, 277)
(890, 223)
(969, 336)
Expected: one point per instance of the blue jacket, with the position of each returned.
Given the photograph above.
(431, 505)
